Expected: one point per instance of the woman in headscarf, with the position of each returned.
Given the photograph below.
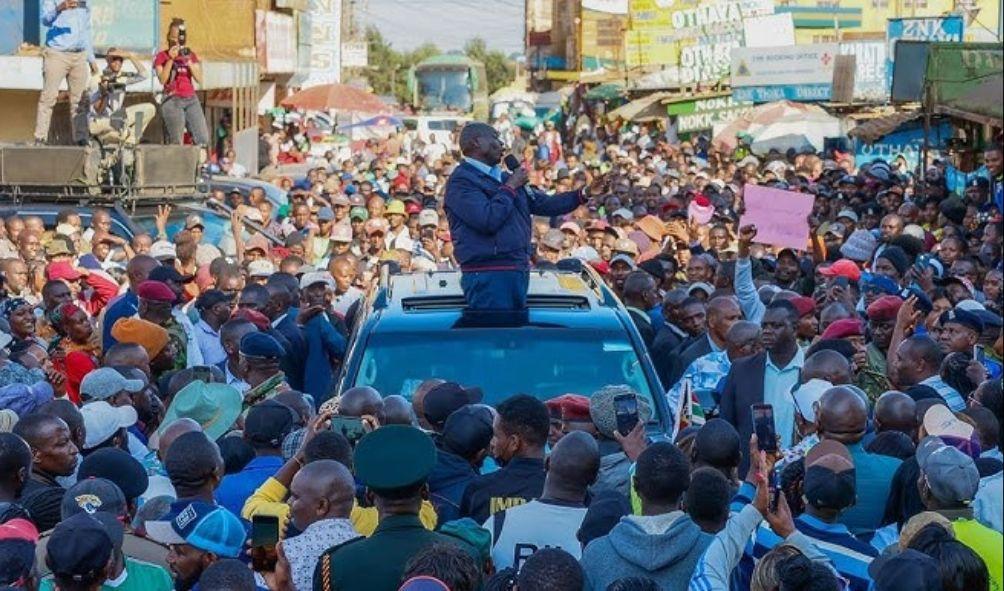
(74, 333)
(20, 316)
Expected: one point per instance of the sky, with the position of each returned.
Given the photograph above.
(447, 23)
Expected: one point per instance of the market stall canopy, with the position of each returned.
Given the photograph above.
(780, 125)
(874, 129)
(606, 92)
(647, 108)
(340, 97)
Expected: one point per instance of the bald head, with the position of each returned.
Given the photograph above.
(128, 355)
(359, 401)
(573, 465)
(173, 431)
(742, 339)
(842, 415)
(397, 411)
(328, 480)
(827, 365)
(896, 411)
(139, 268)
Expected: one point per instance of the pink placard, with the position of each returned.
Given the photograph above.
(781, 217)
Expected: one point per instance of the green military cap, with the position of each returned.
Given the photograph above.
(395, 456)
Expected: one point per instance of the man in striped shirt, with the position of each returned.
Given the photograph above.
(829, 489)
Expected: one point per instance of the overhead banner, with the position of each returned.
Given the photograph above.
(942, 29)
(870, 69)
(707, 113)
(798, 73)
(325, 42)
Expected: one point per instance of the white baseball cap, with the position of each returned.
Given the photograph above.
(260, 268)
(102, 421)
(105, 382)
(428, 217)
(341, 233)
(162, 249)
(315, 277)
(807, 395)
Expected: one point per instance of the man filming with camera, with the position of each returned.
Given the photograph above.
(110, 121)
(178, 69)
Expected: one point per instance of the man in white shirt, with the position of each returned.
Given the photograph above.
(554, 519)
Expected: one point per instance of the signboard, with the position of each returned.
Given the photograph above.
(783, 66)
(325, 42)
(942, 29)
(905, 143)
(781, 217)
(650, 48)
(355, 54)
(706, 113)
(608, 6)
(869, 69)
(602, 42)
(791, 92)
(275, 41)
(909, 70)
(773, 30)
(965, 79)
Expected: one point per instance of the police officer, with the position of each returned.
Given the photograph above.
(394, 463)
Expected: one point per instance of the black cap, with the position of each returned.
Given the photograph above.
(92, 495)
(468, 430)
(125, 471)
(267, 423)
(78, 548)
(908, 570)
(166, 273)
(210, 298)
(445, 398)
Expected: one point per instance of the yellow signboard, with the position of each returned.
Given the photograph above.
(650, 48)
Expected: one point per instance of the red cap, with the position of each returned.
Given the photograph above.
(571, 407)
(843, 328)
(19, 529)
(156, 291)
(804, 305)
(411, 207)
(256, 318)
(62, 270)
(597, 225)
(701, 199)
(602, 267)
(884, 308)
(842, 268)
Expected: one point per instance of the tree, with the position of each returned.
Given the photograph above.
(498, 68)
(388, 68)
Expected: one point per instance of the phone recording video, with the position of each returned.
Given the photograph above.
(264, 537)
(763, 427)
(351, 428)
(626, 410)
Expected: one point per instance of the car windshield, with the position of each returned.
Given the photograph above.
(545, 362)
(215, 226)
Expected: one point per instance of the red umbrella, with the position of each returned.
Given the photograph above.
(342, 97)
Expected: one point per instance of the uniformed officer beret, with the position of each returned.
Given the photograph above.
(259, 344)
(155, 291)
(885, 308)
(393, 457)
(966, 318)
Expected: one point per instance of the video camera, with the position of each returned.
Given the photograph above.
(183, 38)
(113, 81)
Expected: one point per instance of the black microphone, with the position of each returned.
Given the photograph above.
(512, 163)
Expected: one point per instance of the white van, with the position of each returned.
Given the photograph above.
(441, 125)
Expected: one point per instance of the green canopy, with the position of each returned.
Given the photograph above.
(606, 92)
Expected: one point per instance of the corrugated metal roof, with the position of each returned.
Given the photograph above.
(873, 129)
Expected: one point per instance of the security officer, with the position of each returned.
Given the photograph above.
(259, 366)
(394, 463)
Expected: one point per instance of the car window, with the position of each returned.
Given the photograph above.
(545, 362)
(216, 227)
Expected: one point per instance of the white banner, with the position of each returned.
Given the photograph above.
(783, 66)
(774, 30)
(326, 42)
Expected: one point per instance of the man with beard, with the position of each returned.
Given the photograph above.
(198, 535)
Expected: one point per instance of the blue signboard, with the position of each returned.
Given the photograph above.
(794, 92)
(133, 25)
(935, 28)
(907, 142)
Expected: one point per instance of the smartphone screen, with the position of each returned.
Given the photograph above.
(626, 410)
(264, 530)
(763, 427)
(350, 427)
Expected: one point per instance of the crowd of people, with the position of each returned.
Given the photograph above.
(165, 401)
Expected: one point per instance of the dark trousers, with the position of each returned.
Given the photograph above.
(495, 290)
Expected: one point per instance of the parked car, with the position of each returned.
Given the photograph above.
(575, 337)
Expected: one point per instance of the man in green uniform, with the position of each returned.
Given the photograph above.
(393, 462)
(156, 299)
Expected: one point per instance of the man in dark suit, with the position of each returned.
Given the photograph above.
(489, 212)
(767, 377)
(641, 294)
(723, 312)
(691, 318)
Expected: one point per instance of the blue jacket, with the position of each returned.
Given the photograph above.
(490, 223)
(447, 481)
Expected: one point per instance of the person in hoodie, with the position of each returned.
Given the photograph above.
(662, 543)
(614, 463)
(460, 451)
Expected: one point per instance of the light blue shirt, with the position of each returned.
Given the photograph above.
(949, 394)
(777, 385)
(987, 505)
(209, 343)
(69, 30)
(493, 171)
(746, 292)
(704, 374)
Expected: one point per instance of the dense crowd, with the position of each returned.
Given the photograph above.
(166, 400)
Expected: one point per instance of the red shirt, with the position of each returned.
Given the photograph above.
(180, 83)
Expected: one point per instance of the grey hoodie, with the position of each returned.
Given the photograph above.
(664, 548)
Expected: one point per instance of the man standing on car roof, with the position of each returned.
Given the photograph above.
(489, 213)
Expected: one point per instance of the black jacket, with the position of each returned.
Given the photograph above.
(520, 481)
(699, 348)
(447, 483)
(743, 387)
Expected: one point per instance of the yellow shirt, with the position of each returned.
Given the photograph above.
(985, 542)
(270, 499)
